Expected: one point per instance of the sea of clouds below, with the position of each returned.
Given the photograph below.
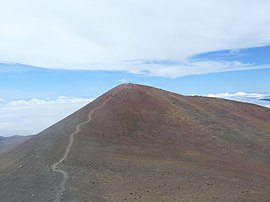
(262, 99)
(28, 117)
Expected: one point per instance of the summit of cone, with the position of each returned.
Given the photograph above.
(137, 142)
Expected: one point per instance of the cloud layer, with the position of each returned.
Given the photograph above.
(28, 117)
(262, 99)
(124, 35)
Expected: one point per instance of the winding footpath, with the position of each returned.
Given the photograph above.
(71, 139)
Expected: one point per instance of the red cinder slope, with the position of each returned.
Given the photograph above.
(141, 143)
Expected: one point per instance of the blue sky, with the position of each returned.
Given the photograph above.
(56, 56)
(25, 82)
(42, 83)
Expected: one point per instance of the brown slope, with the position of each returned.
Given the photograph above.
(8, 143)
(150, 145)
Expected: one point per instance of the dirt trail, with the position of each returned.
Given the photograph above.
(71, 139)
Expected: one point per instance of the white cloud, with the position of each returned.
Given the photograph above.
(4, 125)
(198, 67)
(239, 94)
(28, 117)
(255, 98)
(106, 35)
(2, 102)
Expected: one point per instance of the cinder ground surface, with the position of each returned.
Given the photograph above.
(8, 143)
(146, 144)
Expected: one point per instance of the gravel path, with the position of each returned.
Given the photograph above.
(55, 168)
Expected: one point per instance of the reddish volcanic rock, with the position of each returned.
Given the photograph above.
(147, 144)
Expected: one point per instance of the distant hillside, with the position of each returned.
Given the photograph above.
(8, 143)
(138, 143)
